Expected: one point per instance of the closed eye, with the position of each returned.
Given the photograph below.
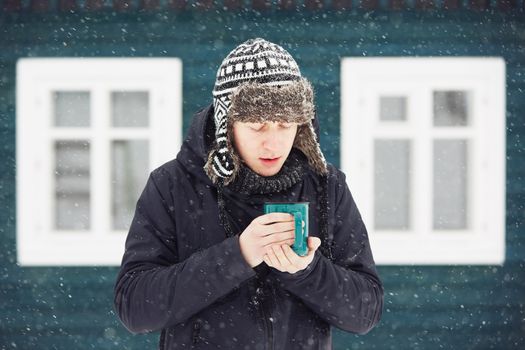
(255, 126)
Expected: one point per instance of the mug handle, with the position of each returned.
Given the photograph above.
(299, 242)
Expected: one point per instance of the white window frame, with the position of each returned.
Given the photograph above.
(38, 243)
(363, 80)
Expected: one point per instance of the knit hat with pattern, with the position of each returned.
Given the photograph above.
(260, 81)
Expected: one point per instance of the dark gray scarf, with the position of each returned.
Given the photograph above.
(249, 182)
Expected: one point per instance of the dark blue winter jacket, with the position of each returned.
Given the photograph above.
(180, 274)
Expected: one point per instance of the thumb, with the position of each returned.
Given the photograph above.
(314, 243)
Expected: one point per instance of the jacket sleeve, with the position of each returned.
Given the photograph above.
(153, 288)
(346, 293)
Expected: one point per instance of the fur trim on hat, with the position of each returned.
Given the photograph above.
(253, 102)
(306, 142)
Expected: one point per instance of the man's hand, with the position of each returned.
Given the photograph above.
(284, 259)
(263, 232)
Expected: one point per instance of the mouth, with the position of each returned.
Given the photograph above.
(269, 161)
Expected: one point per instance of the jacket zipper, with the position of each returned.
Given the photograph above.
(268, 327)
(196, 331)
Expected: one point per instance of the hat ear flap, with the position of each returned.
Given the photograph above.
(305, 141)
(208, 167)
(213, 170)
(234, 155)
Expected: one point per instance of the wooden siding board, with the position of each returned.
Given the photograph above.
(287, 5)
(103, 341)
(420, 277)
(432, 339)
(87, 322)
(468, 324)
(434, 295)
(320, 30)
(441, 297)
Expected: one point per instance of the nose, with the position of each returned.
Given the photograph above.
(272, 142)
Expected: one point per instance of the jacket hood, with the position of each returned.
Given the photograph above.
(199, 141)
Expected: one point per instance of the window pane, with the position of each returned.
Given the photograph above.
(71, 108)
(72, 177)
(450, 184)
(392, 184)
(129, 172)
(130, 108)
(451, 108)
(392, 108)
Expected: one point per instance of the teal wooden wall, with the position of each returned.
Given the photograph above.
(473, 307)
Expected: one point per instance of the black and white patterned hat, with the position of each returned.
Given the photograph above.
(260, 69)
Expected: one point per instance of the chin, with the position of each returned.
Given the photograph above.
(268, 172)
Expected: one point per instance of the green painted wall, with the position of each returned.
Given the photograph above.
(425, 307)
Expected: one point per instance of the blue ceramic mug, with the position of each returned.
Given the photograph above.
(300, 212)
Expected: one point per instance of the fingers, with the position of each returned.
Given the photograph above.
(278, 238)
(288, 242)
(292, 257)
(314, 243)
(274, 217)
(270, 260)
(281, 257)
(277, 227)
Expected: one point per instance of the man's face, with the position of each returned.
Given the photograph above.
(264, 147)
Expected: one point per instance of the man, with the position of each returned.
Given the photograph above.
(204, 266)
